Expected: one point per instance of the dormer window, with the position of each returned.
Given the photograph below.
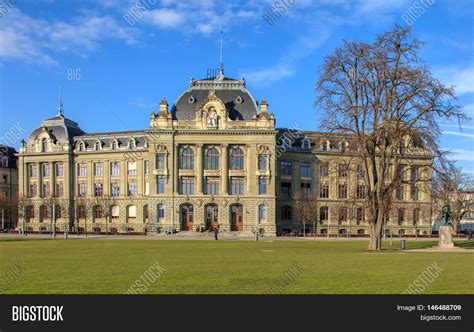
(131, 144)
(5, 162)
(98, 146)
(325, 146)
(191, 100)
(82, 147)
(114, 145)
(342, 146)
(44, 145)
(306, 145)
(239, 100)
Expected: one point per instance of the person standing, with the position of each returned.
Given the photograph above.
(216, 233)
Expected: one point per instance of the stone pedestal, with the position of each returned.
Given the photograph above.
(445, 237)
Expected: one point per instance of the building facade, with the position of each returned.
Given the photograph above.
(214, 158)
(8, 187)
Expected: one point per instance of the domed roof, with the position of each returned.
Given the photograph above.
(232, 92)
(59, 127)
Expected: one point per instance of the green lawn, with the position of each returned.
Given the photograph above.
(98, 266)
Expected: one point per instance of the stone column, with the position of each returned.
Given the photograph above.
(90, 179)
(39, 184)
(123, 179)
(224, 170)
(175, 173)
(199, 168)
(107, 178)
(52, 179)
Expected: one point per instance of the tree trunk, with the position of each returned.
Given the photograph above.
(375, 242)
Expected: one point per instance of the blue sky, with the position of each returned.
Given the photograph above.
(126, 68)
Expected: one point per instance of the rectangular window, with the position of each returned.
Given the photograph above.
(187, 186)
(147, 188)
(305, 169)
(46, 169)
(262, 186)
(59, 189)
(342, 191)
(324, 191)
(115, 189)
(132, 168)
(306, 189)
(236, 186)
(59, 169)
(81, 170)
(98, 189)
(46, 190)
(212, 186)
(33, 190)
(414, 192)
(132, 189)
(115, 168)
(98, 169)
(33, 170)
(286, 189)
(324, 168)
(343, 170)
(160, 185)
(414, 173)
(399, 194)
(160, 161)
(147, 167)
(262, 162)
(82, 189)
(360, 191)
(286, 167)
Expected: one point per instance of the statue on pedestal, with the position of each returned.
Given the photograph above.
(446, 230)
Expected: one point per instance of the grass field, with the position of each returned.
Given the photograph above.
(100, 266)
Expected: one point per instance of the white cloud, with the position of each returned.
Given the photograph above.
(457, 133)
(36, 41)
(461, 78)
(166, 18)
(462, 154)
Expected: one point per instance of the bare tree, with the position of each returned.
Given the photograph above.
(106, 203)
(85, 204)
(453, 187)
(306, 209)
(51, 203)
(22, 205)
(386, 99)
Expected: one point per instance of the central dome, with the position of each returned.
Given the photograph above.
(232, 92)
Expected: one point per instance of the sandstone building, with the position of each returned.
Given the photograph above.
(213, 158)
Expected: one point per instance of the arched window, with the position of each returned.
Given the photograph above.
(342, 215)
(57, 210)
(324, 214)
(145, 213)
(325, 146)
(212, 216)
(81, 212)
(187, 217)
(131, 144)
(82, 147)
(114, 145)
(212, 159)
(262, 213)
(359, 215)
(97, 212)
(44, 145)
(342, 146)
(132, 212)
(286, 212)
(306, 145)
(401, 216)
(187, 159)
(98, 146)
(4, 162)
(416, 216)
(30, 213)
(160, 212)
(237, 217)
(115, 211)
(237, 159)
(44, 213)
